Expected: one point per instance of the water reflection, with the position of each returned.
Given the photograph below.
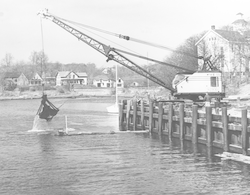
(46, 142)
(33, 163)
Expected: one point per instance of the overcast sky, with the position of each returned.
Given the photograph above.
(165, 22)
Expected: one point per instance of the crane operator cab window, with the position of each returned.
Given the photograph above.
(214, 81)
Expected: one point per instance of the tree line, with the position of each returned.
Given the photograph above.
(39, 63)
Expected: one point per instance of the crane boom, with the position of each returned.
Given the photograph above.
(110, 53)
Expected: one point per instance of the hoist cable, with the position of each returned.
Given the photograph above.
(42, 60)
(129, 38)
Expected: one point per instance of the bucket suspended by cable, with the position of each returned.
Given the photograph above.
(47, 110)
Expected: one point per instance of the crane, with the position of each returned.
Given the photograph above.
(110, 52)
(191, 85)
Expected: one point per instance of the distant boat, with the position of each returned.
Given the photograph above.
(114, 108)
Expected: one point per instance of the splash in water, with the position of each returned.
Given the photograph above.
(40, 125)
(35, 123)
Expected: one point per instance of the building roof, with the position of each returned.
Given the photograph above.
(102, 77)
(36, 76)
(240, 21)
(63, 73)
(66, 73)
(232, 36)
(11, 75)
(82, 74)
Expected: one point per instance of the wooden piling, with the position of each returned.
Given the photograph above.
(194, 124)
(181, 121)
(142, 116)
(244, 131)
(225, 129)
(160, 114)
(222, 124)
(128, 114)
(134, 115)
(121, 116)
(150, 122)
(209, 125)
(170, 120)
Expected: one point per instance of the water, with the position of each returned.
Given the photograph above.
(41, 163)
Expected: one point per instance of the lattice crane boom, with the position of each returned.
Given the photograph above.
(110, 53)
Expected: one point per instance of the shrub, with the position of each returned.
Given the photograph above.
(23, 88)
(32, 89)
(60, 90)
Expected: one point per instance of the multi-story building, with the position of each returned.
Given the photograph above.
(229, 47)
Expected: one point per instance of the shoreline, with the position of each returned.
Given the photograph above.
(68, 96)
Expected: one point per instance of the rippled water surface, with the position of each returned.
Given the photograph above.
(37, 163)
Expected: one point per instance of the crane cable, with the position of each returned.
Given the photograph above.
(42, 60)
(97, 29)
(129, 53)
(42, 65)
(129, 38)
(133, 39)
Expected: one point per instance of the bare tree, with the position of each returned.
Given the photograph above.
(7, 60)
(184, 56)
(241, 62)
(39, 59)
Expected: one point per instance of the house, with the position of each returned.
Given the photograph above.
(103, 81)
(50, 80)
(134, 80)
(11, 77)
(228, 48)
(120, 83)
(71, 77)
(36, 80)
(106, 70)
(134, 84)
(22, 80)
(16, 79)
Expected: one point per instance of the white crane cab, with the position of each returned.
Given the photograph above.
(196, 85)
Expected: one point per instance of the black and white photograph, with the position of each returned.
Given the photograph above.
(124, 97)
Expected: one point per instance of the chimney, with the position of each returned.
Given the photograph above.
(213, 27)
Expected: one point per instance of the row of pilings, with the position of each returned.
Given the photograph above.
(188, 122)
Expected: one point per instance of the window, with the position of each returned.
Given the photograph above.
(214, 81)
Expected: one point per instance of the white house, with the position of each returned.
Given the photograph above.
(228, 48)
(22, 80)
(120, 83)
(36, 79)
(103, 81)
(71, 77)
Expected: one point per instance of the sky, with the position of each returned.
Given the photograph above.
(164, 22)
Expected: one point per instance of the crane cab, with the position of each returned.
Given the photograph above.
(195, 85)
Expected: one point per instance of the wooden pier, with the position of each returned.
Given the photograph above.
(187, 122)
